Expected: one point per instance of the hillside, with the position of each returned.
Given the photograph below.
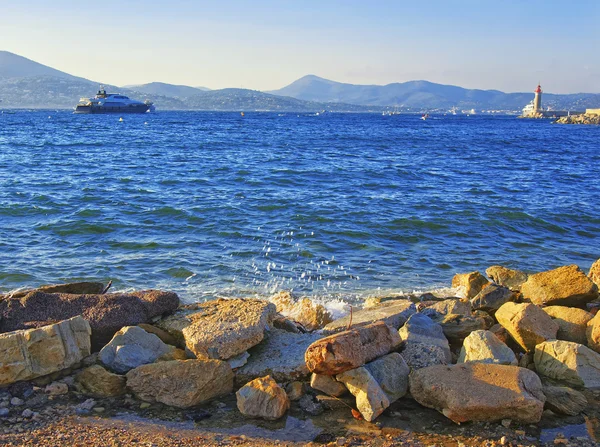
(15, 66)
(164, 89)
(424, 95)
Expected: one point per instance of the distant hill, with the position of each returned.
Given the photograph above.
(424, 95)
(163, 89)
(15, 66)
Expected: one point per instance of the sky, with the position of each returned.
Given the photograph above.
(264, 45)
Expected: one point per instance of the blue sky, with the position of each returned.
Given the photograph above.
(506, 45)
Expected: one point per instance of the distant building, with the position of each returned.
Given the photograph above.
(537, 100)
(534, 108)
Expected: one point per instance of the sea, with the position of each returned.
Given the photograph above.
(335, 206)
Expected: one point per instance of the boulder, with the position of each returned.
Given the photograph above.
(492, 297)
(593, 333)
(485, 347)
(564, 400)
(480, 392)
(27, 354)
(456, 327)
(280, 355)
(262, 398)
(106, 313)
(96, 381)
(594, 273)
(327, 385)
(469, 285)
(350, 349)
(310, 315)
(527, 324)
(181, 383)
(131, 347)
(564, 286)
(422, 355)
(163, 335)
(371, 401)
(502, 276)
(391, 373)
(567, 362)
(451, 306)
(75, 288)
(572, 322)
(502, 334)
(223, 328)
(394, 313)
(420, 333)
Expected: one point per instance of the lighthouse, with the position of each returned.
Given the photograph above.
(537, 100)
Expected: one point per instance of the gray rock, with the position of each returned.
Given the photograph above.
(512, 279)
(371, 400)
(239, 360)
(567, 362)
(394, 313)
(564, 400)
(27, 413)
(16, 402)
(327, 385)
(391, 373)
(457, 327)
(280, 355)
(422, 330)
(485, 347)
(492, 297)
(452, 306)
(421, 355)
(4, 412)
(263, 398)
(309, 406)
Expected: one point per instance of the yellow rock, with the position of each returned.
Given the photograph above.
(469, 284)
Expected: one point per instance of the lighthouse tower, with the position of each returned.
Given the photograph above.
(537, 100)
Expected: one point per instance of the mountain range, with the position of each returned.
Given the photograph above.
(28, 84)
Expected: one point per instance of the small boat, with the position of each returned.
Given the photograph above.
(424, 117)
(112, 103)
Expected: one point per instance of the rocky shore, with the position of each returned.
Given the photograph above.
(509, 359)
(583, 118)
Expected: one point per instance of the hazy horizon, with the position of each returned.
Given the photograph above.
(268, 45)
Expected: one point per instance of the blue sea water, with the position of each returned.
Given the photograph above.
(332, 206)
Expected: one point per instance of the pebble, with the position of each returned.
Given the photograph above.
(145, 405)
(27, 413)
(4, 412)
(16, 401)
(506, 422)
(57, 389)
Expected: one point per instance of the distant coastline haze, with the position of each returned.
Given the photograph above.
(266, 45)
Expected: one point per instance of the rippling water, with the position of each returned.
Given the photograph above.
(337, 205)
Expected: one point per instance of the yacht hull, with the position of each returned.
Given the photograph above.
(131, 108)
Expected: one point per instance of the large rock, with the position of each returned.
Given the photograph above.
(262, 398)
(572, 322)
(456, 326)
(394, 313)
(98, 382)
(350, 349)
(280, 355)
(106, 313)
(512, 279)
(564, 286)
(480, 392)
(564, 400)
(570, 363)
(181, 383)
(391, 373)
(491, 298)
(77, 288)
(485, 347)
(310, 315)
(469, 285)
(327, 385)
(594, 272)
(371, 401)
(593, 333)
(131, 347)
(451, 306)
(424, 342)
(32, 353)
(527, 324)
(223, 328)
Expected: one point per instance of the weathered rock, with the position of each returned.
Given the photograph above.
(492, 297)
(391, 373)
(480, 392)
(295, 390)
(223, 328)
(262, 398)
(456, 327)
(564, 286)
(239, 360)
(309, 406)
(280, 355)
(32, 353)
(452, 306)
(350, 349)
(527, 324)
(512, 279)
(327, 385)
(106, 313)
(572, 322)
(371, 401)
(570, 363)
(420, 329)
(485, 347)
(96, 381)
(502, 334)
(76, 288)
(593, 333)
(564, 400)
(310, 315)
(421, 355)
(469, 285)
(56, 389)
(394, 313)
(131, 347)
(181, 383)
(162, 334)
(594, 273)
(488, 320)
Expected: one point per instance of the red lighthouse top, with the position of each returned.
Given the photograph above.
(538, 89)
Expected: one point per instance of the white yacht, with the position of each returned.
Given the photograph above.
(112, 103)
(528, 109)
